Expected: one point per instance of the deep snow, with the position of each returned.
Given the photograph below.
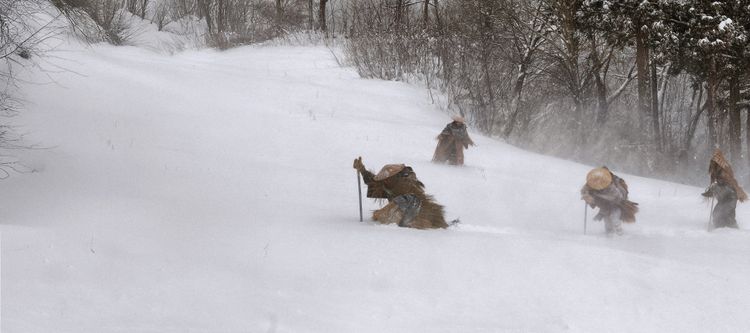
(213, 192)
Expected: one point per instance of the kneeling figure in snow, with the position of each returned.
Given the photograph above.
(610, 193)
(408, 205)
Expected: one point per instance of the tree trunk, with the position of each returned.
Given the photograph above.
(655, 120)
(747, 137)
(663, 90)
(712, 87)
(333, 18)
(310, 14)
(438, 23)
(641, 60)
(735, 121)
(694, 120)
(221, 16)
(345, 20)
(204, 9)
(488, 28)
(144, 4)
(322, 16)
(601, 86)
(132, 5)
(571, 58)
(490, 110)
(514, 103)
(426, 15)
(523, 73)
(399, 14)
(279, 15)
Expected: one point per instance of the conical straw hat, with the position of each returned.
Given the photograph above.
(598, 178)
(389, 170)
(718, 157)
(458, 118)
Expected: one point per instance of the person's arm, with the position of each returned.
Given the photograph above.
(445, 133)
(367, 176)
(586, 196)
(468, 141)
(609, 194)
(709, 190)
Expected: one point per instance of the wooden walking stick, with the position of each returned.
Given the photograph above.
(711, 215)
(585, 215)
(359, 188)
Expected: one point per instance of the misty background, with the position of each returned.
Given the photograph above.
(647, 87)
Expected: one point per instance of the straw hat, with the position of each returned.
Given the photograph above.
(458, 118)
(389, 170)
(718, 157)
(725, 172)
(599, 178)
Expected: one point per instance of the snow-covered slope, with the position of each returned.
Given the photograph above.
(213, 192)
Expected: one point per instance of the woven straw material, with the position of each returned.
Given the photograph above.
(389, 170)
(718, 157)
(719, 168)
(598, 178)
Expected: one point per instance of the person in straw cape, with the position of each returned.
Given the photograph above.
(610, 193)
(451, 143)
(725, 189)
(408, 205)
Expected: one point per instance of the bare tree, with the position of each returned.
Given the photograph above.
(162, 15)
(144, 7)
(322, 15)
(310, 16)
(566, 47)
(21, 35)
(526, 28)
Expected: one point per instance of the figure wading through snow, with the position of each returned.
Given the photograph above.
(725, 189)
(451, 143)
(610, 193)
(408, 205)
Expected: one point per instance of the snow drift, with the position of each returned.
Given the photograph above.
(213, 192)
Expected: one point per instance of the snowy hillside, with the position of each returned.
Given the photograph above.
(214, 192)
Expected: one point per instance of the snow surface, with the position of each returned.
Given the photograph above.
(724, 23)
(213, 192)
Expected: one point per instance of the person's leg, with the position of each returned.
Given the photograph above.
(612, 223)
(720, 216)
(459, 154)
(616, 221)
(608, 226)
